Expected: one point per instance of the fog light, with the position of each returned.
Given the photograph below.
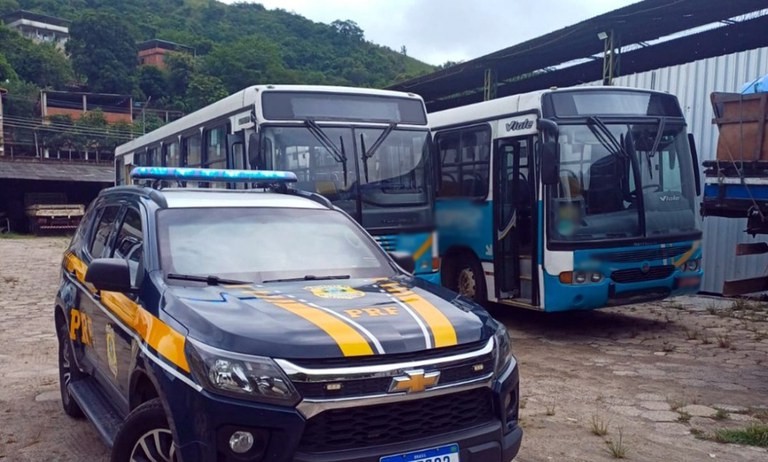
(579, 277)
(241, 442)
(596, 277)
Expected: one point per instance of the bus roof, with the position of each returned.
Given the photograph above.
(240, 101)
(506, 106)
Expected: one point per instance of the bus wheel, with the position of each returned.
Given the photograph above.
(470, 281)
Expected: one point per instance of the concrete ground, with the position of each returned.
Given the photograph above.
(660, 378)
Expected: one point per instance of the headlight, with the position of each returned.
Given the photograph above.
(239, 375)
(692, 265)
(503, 349)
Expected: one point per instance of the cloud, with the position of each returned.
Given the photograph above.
(436, 31)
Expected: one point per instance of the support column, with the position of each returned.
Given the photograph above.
(489, 85)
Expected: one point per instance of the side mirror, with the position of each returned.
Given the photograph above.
(695, 159)
(550, 163)
(404, 260)
(110, 274)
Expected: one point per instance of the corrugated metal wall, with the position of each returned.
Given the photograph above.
(692, 83)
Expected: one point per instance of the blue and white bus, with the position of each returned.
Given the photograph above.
(368, 151)
(568, 199)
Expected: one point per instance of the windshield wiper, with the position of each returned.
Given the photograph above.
(338, 156)
(211, 280)
(652, 152)
(310, 277)
(605, 137)
(368, 153)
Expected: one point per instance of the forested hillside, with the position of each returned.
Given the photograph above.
(235, 46)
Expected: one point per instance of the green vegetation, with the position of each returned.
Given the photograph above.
(754, 435)
(234, 46)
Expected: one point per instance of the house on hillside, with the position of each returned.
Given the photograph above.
(152, 52)
(38, 27)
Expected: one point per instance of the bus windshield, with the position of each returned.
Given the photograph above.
(381, 166)
(614, 180)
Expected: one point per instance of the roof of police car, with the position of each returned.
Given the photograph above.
(199, 197)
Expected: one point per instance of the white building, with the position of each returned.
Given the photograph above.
(39, 27)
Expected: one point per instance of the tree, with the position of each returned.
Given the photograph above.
(103, 50)
(180, 67)
(153, 82)
(7, 73)
(349, 29)
(41, 64)
(249, 61)
(204, 90)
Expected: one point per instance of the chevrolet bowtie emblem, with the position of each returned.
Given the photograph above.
(414, 381)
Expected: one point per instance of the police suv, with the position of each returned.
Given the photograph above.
(264, 324)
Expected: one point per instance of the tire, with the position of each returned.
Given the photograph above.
(469, 279)
(68, 372)
(146, 424)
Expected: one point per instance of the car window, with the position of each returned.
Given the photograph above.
(266, 243)
(100, 236)
(130, 242)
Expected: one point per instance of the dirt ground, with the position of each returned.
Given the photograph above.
(663, 376)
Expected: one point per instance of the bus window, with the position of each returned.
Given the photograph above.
(216, 147)
(464, 158)
(172, 154)
(153, 156)
(192, 148)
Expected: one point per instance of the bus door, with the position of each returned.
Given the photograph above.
(237, 158)
(513, 212)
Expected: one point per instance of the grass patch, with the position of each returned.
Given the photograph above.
(617, 447)
(599, 426)
(684, 417)
(551, 409)
(723, 341)
(721, 414)
(754, 435)
(14, 236)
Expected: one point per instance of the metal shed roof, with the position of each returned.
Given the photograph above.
(56, 171)
(635, 24)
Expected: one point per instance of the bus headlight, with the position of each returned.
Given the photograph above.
(503, 351)
(693, 265)
(242, 376)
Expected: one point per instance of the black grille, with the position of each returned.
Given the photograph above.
(638, 275)
(362, 427)
(457, 373)
(642, 255)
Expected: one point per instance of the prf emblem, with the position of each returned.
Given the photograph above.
(414, 381)
(79, 321)
(335, 292)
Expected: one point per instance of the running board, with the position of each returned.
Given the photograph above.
(756, 248)
(95, 406)
(745, 286)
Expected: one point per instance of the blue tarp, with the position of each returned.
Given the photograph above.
(759, 85)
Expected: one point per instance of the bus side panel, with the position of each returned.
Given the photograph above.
(465, 223)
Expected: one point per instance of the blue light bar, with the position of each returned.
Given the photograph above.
(212, 174)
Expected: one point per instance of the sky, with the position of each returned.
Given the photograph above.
(436, 31)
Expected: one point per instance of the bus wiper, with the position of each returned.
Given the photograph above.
(605, 137)
(309, 277)
(210, 279)
(338, 156)
(368, 153)
(652, 152)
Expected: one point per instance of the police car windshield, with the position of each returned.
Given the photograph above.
(264, 244)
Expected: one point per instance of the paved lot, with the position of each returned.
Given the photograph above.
(656, 373)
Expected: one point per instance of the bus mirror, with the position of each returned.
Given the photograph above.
(550, 163)
(695, 161)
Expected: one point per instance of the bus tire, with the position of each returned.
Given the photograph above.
(468, 278)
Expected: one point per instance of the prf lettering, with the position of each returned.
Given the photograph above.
(372, 312)
(80, 321)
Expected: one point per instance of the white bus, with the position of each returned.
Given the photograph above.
(568, 199)
(368, 151)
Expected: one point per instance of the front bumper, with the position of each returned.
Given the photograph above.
(202, 421)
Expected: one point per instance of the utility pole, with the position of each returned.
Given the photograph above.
(143, 119)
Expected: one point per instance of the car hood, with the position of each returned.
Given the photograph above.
(329, 319)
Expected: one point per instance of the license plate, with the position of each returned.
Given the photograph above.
(448, 453)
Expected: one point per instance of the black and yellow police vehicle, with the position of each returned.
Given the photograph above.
(261, 323)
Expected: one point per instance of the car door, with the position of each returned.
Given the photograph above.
(128, 245)
(86, 318)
